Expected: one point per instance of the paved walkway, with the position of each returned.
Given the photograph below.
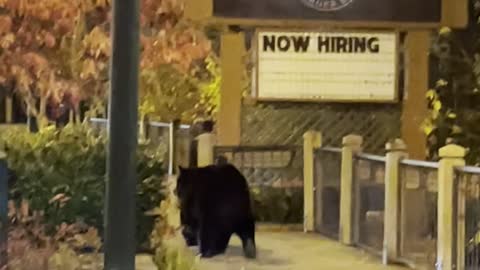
(295, 251)
(144, 262)
(289, 251)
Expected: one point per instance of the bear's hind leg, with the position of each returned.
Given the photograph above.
(246, 232)
(222, 241)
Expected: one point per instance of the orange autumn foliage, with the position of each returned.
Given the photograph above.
(57, 52)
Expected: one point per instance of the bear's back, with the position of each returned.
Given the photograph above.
(220, 183)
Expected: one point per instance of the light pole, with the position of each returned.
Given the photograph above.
(120, 223)
(3, 208)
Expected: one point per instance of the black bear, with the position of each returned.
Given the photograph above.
(214, 204)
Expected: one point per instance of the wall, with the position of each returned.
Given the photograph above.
(285, 123)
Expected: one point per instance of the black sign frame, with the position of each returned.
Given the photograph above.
(359, 13)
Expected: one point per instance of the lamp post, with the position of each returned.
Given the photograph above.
(123, 118)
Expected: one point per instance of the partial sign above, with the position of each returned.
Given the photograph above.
(329, 66)
(412, 11)
(327, 5)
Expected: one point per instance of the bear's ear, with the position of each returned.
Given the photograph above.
(181, 169)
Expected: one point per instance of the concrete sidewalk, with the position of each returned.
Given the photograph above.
(288, 251)
(295, 251)
(144, 262)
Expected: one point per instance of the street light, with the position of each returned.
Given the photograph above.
(120, 244)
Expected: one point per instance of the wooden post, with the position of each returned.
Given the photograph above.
(205, 145)
(229, 118)
(455, 13)
(351, 145)
(396, 151)
(311, 141)
(198, 10)
(451, 157)
(415, 107)
(184, 145)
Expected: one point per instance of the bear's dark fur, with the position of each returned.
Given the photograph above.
(214, 204)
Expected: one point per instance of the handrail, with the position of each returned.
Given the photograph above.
(253, 148)
(99, 120)
(371, 157)
(420, 163)
(153, 123)
(468, 169)
(329, 149)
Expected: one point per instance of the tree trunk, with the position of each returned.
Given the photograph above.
(41, 116)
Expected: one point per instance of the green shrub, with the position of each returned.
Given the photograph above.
(62, 173)
(171, 251)
(278, 205)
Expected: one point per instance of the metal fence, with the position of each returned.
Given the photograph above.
(156, 132)
(418, 213)
(328, 162)
(275, 177)
(369, 201)
(467, 182)
(162, 136)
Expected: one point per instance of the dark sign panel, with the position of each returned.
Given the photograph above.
(420, 11)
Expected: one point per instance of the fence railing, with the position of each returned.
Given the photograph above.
(418, 212)
(468, 202)
(327, 184)
(423, 214)
(275, 166)
(165, 137)
(275, 175)
(369, 201)
(156, 132)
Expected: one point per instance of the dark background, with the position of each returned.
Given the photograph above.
(423, 11)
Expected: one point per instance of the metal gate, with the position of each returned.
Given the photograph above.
(328, 162)
(275, 177)
(369, 201)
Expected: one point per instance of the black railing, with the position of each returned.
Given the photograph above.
(369, 201)
(418, 213)
(328, 162)
(467, 180)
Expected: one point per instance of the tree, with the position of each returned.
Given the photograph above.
(55, 54)
(455, 99)
(32, 36)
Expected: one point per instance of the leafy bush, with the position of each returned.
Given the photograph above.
(62, 173)
(30, 247)
(454, 100)
(278, 205)
(171, 251)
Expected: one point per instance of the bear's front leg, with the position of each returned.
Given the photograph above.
(213, 240)
(190, 235)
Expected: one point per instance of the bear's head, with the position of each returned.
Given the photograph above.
(184, 187)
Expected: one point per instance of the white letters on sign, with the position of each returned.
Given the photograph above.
(333, 66)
